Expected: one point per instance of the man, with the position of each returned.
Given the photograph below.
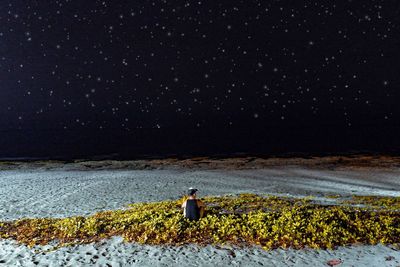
(193, 208)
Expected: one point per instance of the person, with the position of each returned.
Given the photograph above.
(193, 208)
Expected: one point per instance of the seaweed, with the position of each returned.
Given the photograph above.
(243, 220)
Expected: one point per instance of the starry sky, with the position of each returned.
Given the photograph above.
(127, 66)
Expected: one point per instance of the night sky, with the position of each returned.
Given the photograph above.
(83, 68)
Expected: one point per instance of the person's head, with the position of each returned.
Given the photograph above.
(192, 192)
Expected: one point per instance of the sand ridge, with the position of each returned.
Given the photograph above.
(220, 163)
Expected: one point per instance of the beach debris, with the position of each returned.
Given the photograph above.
(231, 253)
(334, 262)
(389, 258)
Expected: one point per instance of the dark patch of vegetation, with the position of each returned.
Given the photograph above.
(247, 219)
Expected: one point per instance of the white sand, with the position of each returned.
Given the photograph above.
(60, 193)
(115, 252)
(57, 193)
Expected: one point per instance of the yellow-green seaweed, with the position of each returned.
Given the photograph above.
(247, 219)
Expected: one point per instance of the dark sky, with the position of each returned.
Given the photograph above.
(90, 66)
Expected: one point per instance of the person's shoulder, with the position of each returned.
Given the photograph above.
(199, 202)
(184, 203)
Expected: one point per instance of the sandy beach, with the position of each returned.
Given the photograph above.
(54, 189)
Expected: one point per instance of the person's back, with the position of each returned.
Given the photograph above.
(193, 208)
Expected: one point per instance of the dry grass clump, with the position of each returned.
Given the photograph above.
(246, 219)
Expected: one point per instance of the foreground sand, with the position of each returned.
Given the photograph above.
(59, 190)
(115, 252)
